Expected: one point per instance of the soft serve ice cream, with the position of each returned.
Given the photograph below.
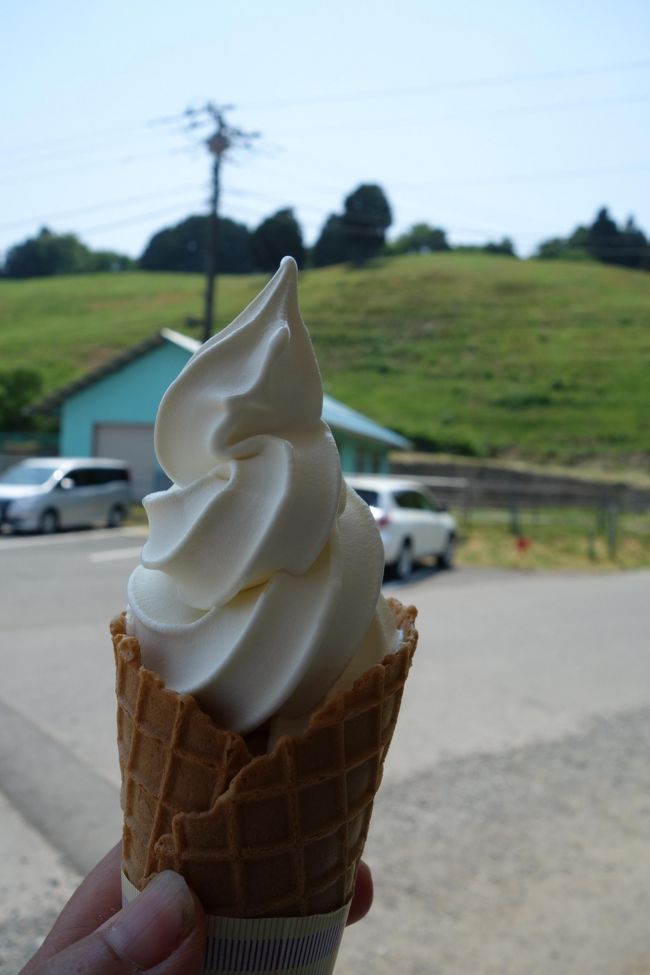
(259, 589)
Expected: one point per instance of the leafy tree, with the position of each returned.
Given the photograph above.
(49, 254)
(100, 261)
(183, 247)
(633, 247)
(277, 236)
(603, 238)
(45, 255)
(603, 241)
(561, 247)
(572, 248)
(331, 246)
(18, 388)
(366, 218)
(627, 247)
(420, 239)
(503, 246)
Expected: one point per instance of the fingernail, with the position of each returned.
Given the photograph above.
(155, 923)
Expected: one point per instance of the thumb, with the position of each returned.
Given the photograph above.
(161, 931)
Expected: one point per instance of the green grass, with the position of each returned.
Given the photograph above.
(569, 539)
(468, 353)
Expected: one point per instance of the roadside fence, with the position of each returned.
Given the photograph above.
(519, 495)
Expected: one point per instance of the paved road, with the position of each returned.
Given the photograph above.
(512, 833)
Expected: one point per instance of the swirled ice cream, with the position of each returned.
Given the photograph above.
(259, 589)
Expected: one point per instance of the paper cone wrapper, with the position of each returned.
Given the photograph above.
(278, 945)
(275, 835)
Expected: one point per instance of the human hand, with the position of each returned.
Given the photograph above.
(161, 932)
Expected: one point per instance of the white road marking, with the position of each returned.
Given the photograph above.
(114, 553)
(12, 542)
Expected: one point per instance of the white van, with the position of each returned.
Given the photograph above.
(48, 493)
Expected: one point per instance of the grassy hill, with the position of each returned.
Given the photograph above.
(464, 352)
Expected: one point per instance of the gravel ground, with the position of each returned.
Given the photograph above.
(531, 861)
(512, 833)
(35, 883)
(534, 860)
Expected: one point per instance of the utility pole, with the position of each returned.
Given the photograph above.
(223, 138)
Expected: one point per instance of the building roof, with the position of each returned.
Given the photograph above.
(336, 414)
(52, 402)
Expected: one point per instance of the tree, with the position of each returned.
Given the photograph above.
(45, 255)
(627, 247)
(182, 247)
(572, 248)
(420, 239)
(49, 254)
(100, 261)
(366, 218)
(634, 249)
(603, 238)
(503, 246)
(18, 388)
(561, 248)
(602, 241)
(331, 246)
(277, 236)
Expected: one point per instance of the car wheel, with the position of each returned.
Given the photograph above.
(49, 522)
(115, 516)
(446, 557)
(404, 563)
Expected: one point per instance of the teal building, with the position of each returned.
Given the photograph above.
(110, 412)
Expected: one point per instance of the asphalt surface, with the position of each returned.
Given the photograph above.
(512, 831)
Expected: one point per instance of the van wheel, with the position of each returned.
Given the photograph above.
(49, 522)
(115, 516)
(404, 564)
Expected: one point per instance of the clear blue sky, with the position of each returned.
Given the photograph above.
(488, 119)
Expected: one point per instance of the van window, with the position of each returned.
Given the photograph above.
(95, 476)
(79, 477)
(370, 497)
(27, 475)
(108, 475)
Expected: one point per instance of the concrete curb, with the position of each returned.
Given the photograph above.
(72, 806)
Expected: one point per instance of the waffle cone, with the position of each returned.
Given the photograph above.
(270, 835)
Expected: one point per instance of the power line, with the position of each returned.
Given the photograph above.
(530, 177)
(123, 160)
(110, 134)
(95, 208)
(483, 115)
(495, 80)
(26, 157)
(136, 218)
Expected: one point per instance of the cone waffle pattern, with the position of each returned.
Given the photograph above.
(280, 834)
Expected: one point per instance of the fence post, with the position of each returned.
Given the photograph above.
(515, 521)
(611, 513)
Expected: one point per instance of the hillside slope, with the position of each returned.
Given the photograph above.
(465, 353)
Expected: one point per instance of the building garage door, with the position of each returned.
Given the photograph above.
(132, 443)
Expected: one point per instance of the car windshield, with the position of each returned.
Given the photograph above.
(370, 497)
(26, 475)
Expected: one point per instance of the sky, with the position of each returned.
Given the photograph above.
(516, 119)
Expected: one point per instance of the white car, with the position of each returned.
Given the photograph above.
(412, 523)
